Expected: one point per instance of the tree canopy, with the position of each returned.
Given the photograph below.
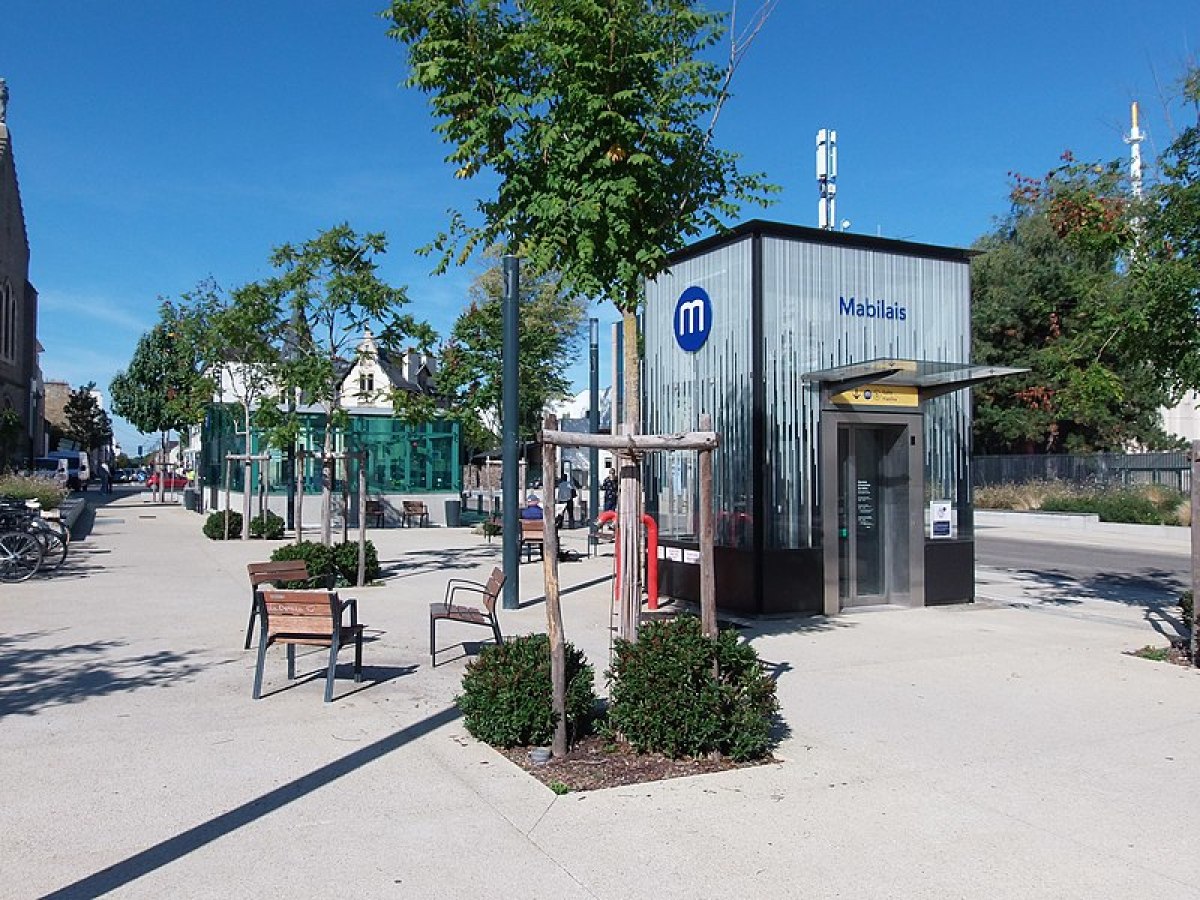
(469, 380)
(88, 425)
(164, 387)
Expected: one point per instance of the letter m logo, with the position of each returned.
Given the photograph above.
(693, 319)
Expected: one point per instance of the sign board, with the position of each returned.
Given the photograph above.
(941, 517)
(893, 395)
(693, 319)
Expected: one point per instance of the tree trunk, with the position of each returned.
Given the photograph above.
(362, 518)
(247, 471)
(327, 486)
(629, 506)
(554, 624)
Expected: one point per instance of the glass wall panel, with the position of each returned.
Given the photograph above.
(401, 458)
(715, 379)
(827, 305)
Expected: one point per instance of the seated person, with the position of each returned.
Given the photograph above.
(533, 508)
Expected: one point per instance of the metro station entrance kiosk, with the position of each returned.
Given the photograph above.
(835, 367)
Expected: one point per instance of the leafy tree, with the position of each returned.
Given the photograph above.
(239, 339)
(598, 118)
(88, 425)
(470, 370)
(165, 388)
(332, 291)
(1166, 267)
(1050, 293)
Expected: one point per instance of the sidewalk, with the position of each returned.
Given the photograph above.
(974, 751)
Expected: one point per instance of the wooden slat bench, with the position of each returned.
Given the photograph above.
(279, 574)
(313, 618)
(376, 512)
(533, 536)
(447, 610)
(414, 509)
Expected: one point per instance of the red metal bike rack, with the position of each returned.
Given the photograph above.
(651, 552)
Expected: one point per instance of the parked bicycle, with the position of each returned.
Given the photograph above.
(29, 542)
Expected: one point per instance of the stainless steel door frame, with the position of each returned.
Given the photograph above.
(913, 437)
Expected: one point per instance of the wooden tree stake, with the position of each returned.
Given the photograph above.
(554, 623)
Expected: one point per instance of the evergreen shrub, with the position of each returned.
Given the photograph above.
(268, 525)
(506, 697)
(339, 560)
(214, 525)
(664, 696)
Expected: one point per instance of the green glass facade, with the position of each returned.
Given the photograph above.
(401, 458)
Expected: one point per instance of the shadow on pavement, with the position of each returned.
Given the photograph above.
(166, 852)
(34, 678)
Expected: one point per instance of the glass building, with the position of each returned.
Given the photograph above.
(401, 458)
(834, 367)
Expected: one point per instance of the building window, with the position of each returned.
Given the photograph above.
(366, 382)
(8, 323)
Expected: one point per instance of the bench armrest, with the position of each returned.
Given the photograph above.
(352, 603)
(454, 585)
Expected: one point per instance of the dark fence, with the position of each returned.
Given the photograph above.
(1108, 469)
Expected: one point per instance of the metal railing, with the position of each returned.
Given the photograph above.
(1107, 469)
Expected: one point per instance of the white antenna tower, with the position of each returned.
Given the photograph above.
(827, 178)
(1134, 140)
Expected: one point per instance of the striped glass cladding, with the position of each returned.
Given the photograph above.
(804, 330)
(716, 379)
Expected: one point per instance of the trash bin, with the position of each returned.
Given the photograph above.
(453, 513)
(191, 499)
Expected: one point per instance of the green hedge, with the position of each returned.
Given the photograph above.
(268, 525)
(664, 696)
(1120, 505)
(506, 698)
(340, 560)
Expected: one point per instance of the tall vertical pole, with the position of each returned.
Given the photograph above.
(594, 419)
(1195, 492)
(510, 433)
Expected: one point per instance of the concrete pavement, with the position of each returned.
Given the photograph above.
(1009, 748)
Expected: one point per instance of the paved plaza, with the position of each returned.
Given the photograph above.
(1009, 748)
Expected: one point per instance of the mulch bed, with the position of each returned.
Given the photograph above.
(597, 762)
(1177, 653)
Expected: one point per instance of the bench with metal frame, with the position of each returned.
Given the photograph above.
(484, 615)
(376, 512)
(311, 618)
(533, 537)
(414, 509)
(288, 571)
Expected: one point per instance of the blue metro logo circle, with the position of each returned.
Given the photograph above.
(693, 319)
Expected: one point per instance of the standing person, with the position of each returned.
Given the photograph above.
(564, 495)
(609, 486)
(105, 478)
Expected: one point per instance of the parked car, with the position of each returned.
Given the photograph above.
(172, 482)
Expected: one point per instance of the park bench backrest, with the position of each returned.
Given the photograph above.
(314, 613)
(273, 572)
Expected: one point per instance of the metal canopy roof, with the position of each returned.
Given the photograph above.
(932, 378)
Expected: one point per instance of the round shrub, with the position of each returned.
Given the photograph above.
(506, 694)
(664, 696)
(339, 560)
(268, 525)
(214, 525)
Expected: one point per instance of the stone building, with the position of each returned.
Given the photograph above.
(20, 378)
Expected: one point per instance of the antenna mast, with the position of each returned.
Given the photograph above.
(1134, 140)
(827, 178)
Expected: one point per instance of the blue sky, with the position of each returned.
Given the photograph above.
(160, 143)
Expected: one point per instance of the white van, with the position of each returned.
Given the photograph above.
(78, 468)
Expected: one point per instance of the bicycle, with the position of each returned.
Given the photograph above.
(24, 540)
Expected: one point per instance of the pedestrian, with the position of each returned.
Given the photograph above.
(564, 496)
(609, 486)
(533, 508)
(105, 478)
